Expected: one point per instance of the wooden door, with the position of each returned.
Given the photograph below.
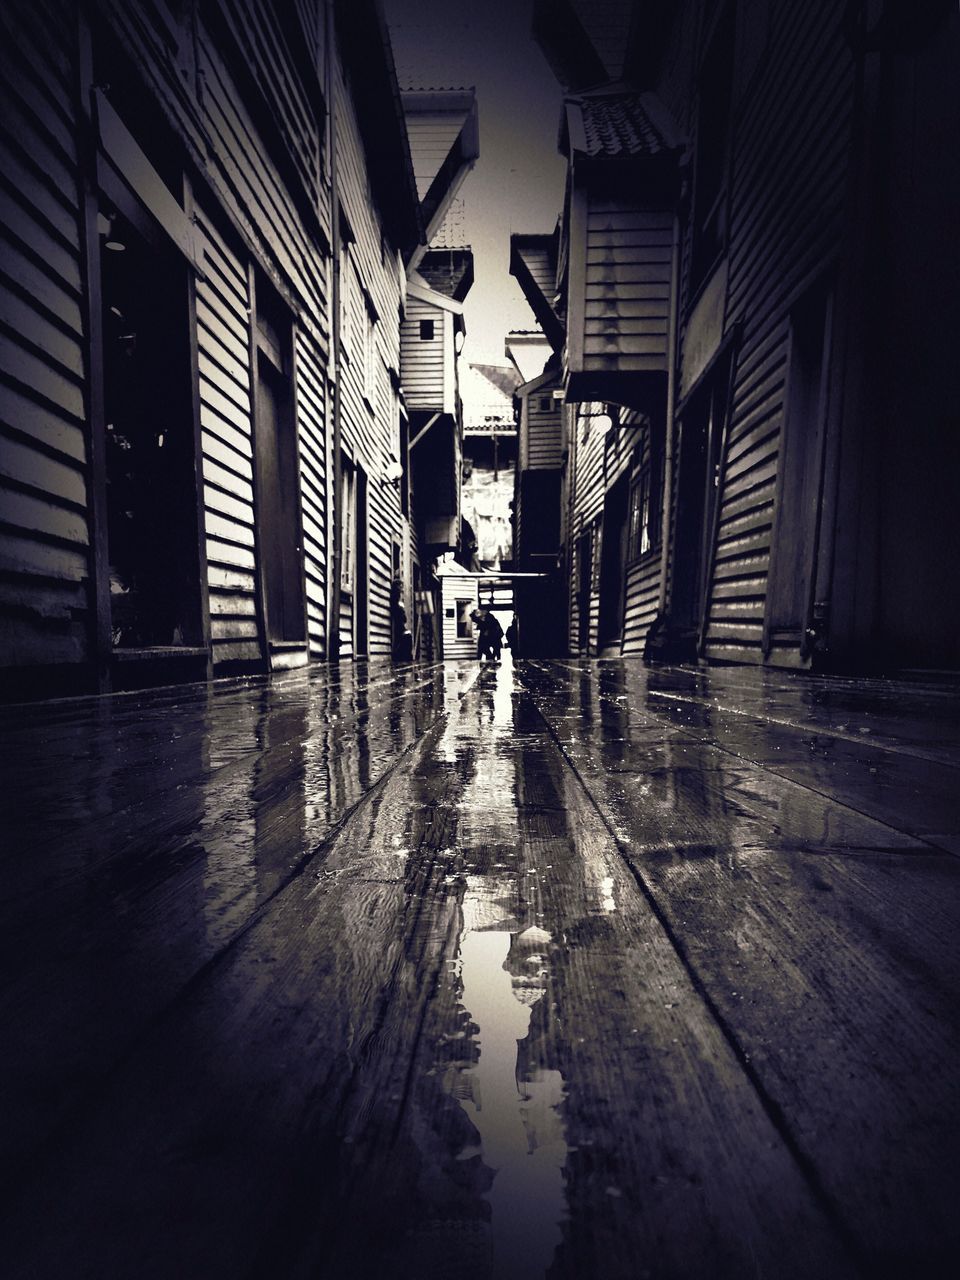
(612, 562)
(791, 580)
(279, 511)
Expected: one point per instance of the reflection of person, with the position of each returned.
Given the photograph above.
(489, 634)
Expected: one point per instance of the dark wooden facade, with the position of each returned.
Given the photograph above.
(207, 212)
(806, 414)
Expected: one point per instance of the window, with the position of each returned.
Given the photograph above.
(348, 523)
(346, 274)
(713, 150)
(546, 404)
(464, 621)
(369, 356)
(645, 513)
(426, 330)
(597, 548)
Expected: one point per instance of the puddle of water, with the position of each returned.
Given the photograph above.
(519, 1123)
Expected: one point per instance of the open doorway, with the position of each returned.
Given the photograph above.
(152, 517)
(278, 475)
(612, 562)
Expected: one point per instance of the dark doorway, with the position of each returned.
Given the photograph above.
(701, 445)
(584, 579)
(361, 597)
(278, 476)
(152, 518)
(790, 590)
(612, 562)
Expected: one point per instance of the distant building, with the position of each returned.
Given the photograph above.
(443, 130)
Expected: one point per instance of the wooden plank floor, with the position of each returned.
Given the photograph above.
(583, 971)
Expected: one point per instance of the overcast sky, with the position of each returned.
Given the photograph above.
(517, 184)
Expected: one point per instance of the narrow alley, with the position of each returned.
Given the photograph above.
(577, 970)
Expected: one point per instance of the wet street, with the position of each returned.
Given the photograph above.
(579, 970)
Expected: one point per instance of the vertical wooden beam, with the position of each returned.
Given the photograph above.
(198, 486)
(259, 573)
(666, 526)
(298, 489)
(577, 277)
(334, 526)
(99, 632)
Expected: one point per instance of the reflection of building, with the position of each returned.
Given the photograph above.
(751, 334)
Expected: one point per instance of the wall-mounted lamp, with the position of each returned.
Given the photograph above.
(106, 229)
(392, 474)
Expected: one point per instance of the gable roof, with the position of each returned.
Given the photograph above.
(443, 130)
(533, 264)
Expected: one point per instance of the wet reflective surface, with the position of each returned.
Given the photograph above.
(583, 970)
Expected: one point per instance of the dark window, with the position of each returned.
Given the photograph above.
(152, 519)
(545, 404)
(713, 150)
(426, 330)
(278, 470)
(464, 621)
(645, 511)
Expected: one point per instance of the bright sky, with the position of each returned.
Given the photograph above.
(517, 183)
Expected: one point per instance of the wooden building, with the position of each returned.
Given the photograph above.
(753, 277)
(444, 144)
(208, 209)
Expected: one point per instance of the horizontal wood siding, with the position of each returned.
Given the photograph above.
(422, 359)
(431, 134)
(587, 449)
(453, 590)
(223, 339)
(539, 262)
(288, 242)
(44, 443)
(791, 146)
(544, 445)
(644, 573)
(627, 304)
(370, 422)
(312, 420)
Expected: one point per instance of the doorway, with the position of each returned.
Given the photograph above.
(584, 577)
(702, 434)
(152, 515)
(612, 564)
(278, 475)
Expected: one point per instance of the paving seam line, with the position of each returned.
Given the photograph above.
(771, 1108)
(763, 767)
(217, 774)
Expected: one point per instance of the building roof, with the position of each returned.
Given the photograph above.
(443, 131)
(504, 377)
(616, 122)
(533, 264)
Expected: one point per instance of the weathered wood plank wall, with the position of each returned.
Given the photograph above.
(370, 423)
(45, 604)
(790, 138)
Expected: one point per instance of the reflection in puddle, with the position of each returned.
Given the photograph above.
(520, 1129)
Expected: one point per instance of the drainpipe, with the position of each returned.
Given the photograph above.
(333, 616)
(666, 522)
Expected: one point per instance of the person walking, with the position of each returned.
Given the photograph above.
(489, 635)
